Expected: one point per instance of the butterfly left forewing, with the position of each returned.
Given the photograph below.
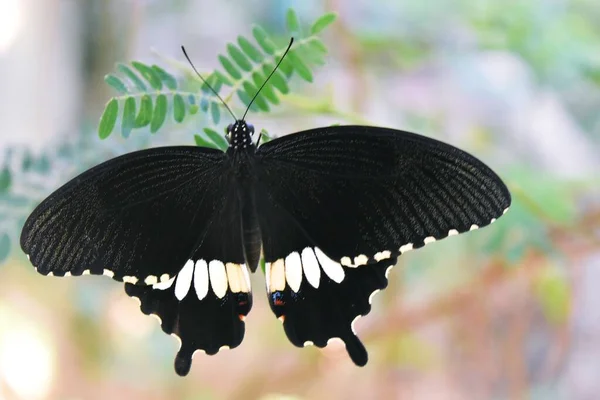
(358, 197)
(167, 222)
(135, 218)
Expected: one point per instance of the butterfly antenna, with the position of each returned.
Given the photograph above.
(268, 77)
(206, 83)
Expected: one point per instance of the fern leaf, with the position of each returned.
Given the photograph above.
(128, 120)
(215, 113)
(168, 79)
(251, 90)
(322, 22)
(216, 138)
(139, 84)
(293, 24)
(239, 57)
(250, 50)
(200, 141)
(178, 108)
(230, 68)
(148, 92)
(116, 83)
(145, 114)
(108, 119)
(258, 79)
(149, 74)
(263, 39)
(193, 107)
(160, 113)
(300, 67)
(277, 79)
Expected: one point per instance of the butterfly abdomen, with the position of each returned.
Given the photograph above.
(251, 237)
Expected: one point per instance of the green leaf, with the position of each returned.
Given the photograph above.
(262, 264)
(5, 180)
(264, 136)
(262, 38)
(315, 44)
(267, 90)
(160, 113)
(178, 108)
(259, 101)
(200, 141)
(4, 246)
(150, 74)
(115, 83)
(239, 57)
(128, 119)
(244, 98)
(230, 68)
(322, 23)
(217, 139)
(277, 79)
(214, 82)
(204, 104)
(300, 67)
(286, 65)
(193, 108)
(292, 21)
(314, 52)
(132, 76)
(222, 79)
(144, 116)
(250, 50)
(108, 118)
(215, 113)
(167, 78)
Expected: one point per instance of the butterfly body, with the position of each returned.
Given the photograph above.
(329, 209)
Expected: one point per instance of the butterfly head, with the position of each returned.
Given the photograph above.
(240, 134)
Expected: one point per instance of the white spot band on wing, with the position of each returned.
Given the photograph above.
(184, 280)
(332, 269)
(311, 268)
(201, 279)
(293, 271)
(218, 278)
(277, 277)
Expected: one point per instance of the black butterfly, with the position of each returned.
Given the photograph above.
(331, 208)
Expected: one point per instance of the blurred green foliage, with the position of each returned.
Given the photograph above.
(148, 92)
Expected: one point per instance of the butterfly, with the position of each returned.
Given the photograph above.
(329, 209)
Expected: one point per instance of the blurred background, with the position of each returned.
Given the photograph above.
(508, 312)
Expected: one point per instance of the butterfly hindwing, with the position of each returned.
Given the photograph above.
(135, 218)
(342, 203)
(315, 315)
(206, 303)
